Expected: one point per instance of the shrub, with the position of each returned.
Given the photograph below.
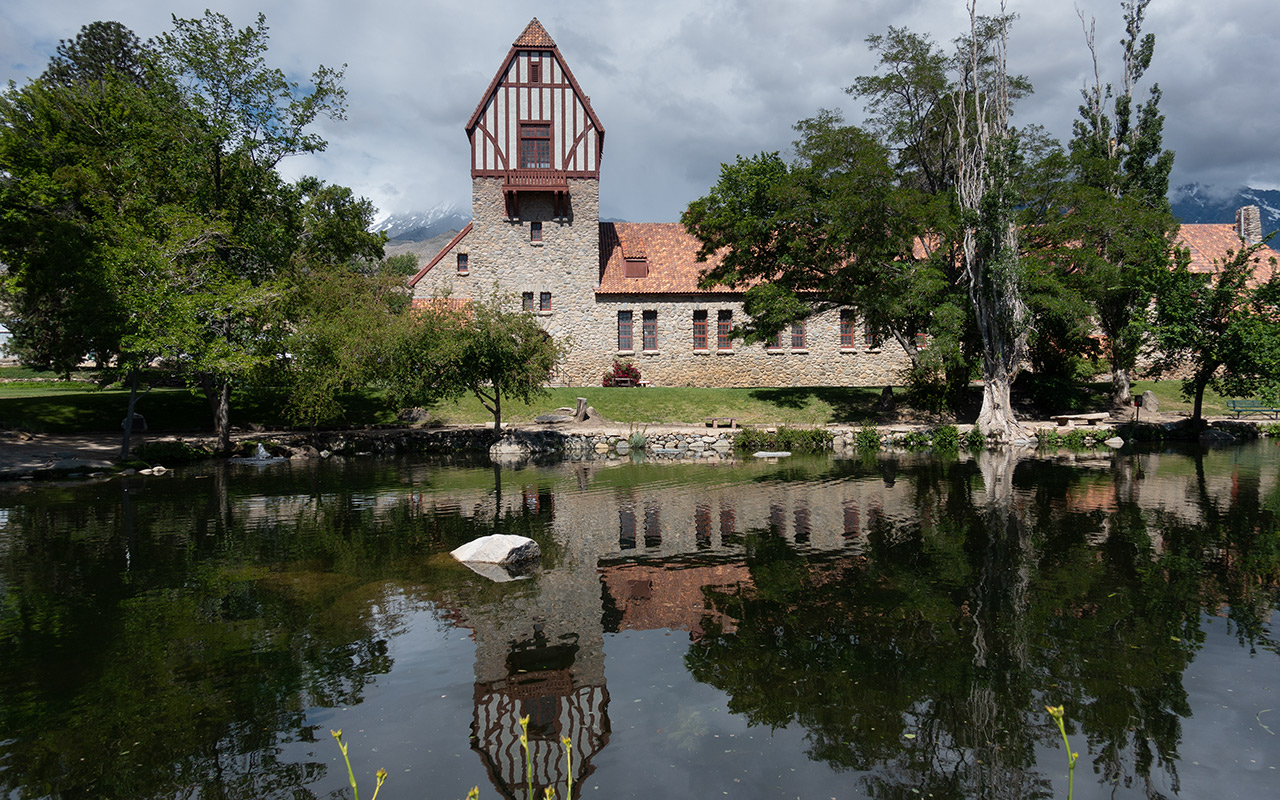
(1075, 440)
(1048, 437)
(868, 438)
(974, 440)
(171, 451)
(795, 440)
(946, 437)
(1270, 428)
(915, 440)
(622, 369)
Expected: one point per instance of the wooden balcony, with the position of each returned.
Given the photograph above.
(536, 180)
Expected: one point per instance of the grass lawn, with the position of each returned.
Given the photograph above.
(77, 406)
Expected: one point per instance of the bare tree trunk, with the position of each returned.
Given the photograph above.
(983, 151)
(1121, 396)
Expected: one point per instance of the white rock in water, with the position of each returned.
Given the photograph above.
(499, 548)
(1114, 442)
(771, 454)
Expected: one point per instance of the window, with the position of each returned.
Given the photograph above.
(544, 301)
(922, 341)
(724, 330)
(699, 330)
(846, 329)
(775, 343)
(873, 338)
(526, 301)
(535, 231)
(797, 336)
(535, 72)
(462, 264)
(624, 330)
(649, 330)
(535, 145)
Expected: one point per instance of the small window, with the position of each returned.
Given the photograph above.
(649, 330)
(775, 343)
(526, 301)
(535, 72)
(699, 330)
(535, 231)
(462, 264)
(846, 329)
(922, 341)
(544, 301)
(624, 330)
(797, 336)
(724, 330)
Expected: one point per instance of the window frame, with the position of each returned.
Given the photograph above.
(544, 302)
(535, 145)
(699, 329)
(649, 331)
(463, 264)
(798, 337)
(535, 231)
(526, 301)
(724, 330)
(848, 330)
(625, 332)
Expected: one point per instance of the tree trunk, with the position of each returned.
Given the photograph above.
(218, 395)
(128, 417)
(996, 419)
(1120, 394)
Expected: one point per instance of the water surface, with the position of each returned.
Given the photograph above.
(889, 627)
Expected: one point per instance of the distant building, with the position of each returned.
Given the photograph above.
(629, 290)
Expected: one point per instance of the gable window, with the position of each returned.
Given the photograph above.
(535, 145)
(797, 336)
(535, 72)
(649, 330)
(846, 329)
(700, 330)
(535, 231)
(544, 302)
(724, 330)
(624, 330)
(526, 301)
(462, 264)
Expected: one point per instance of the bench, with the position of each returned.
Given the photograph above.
(729, 422)
(623, 382)
(1251, 408)
(1064, 420)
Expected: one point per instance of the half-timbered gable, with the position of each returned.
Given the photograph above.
(534, 128)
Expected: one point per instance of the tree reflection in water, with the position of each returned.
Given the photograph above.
(926, 663)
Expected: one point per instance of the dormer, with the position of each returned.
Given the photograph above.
(535, 129)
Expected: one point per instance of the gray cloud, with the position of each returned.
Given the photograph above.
(682, 87)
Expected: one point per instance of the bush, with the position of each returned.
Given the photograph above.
(946, 437)
(1048, 437)
(915, 440)
(868, 438)
(974, 440)
(795, 440)
(622, 369)
(171, 451)
(1270, 428)
(1075, 440)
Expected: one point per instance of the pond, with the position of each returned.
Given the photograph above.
(889, 627)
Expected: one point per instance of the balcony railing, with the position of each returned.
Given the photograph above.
(545, 180)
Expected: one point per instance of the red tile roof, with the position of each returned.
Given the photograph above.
(534, 36)
(1210, 242)
(671, 252)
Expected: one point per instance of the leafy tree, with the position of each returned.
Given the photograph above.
(1224, 327)
(1115, 235)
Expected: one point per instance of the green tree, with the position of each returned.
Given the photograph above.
(1115, 238)
(1224, 327)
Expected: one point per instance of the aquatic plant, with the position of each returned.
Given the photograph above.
(638, 438)
(351, 775)
(1048, 437)
(946, 437)
(796, 440)
(1059, 713)
(528, 762)
(974, 440)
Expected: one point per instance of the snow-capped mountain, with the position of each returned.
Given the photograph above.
(416, 226)
(1198, 203)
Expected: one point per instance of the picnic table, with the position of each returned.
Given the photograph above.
(1251, 408)
(1071, 420)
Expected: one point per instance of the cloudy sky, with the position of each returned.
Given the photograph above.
(683, 85)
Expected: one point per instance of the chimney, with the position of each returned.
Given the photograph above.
(1249, 224)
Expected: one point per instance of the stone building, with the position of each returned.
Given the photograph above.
(629, 290)
(612, 290)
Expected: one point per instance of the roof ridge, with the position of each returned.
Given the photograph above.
(534, 35)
